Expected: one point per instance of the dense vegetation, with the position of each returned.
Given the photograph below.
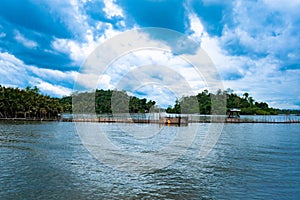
(246, 103)
(201, 103)
(27, 103)
(105, 101)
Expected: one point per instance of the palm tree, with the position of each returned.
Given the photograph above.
(246, 95)
(251, 101)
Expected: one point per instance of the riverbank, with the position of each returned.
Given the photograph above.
(228, 120)
(163, 120)
(30, 119)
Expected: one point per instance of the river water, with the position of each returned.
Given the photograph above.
(47, 160)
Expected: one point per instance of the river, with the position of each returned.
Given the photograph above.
(47, 160)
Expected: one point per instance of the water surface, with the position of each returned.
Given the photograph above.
(250, 161)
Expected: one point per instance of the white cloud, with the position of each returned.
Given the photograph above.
(26, 42)
(162, 95)
(70, 13)
(104, 82)
(196, 26)
(156, 66)
(48, 88)
(11, 71)
(275, 87)
(111, 9)
(213, 47)
(261, 77)
(155, 73)
(15, 73)
(263, 27)
(87, 81)
(53, 75)
(78, 50)
(247, 28)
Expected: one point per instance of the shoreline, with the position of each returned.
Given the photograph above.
(29, 120)
(148, 121)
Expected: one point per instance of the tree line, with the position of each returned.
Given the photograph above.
(29, 103)
(106, 102)
(201, 103)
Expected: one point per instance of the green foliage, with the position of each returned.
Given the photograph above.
(176, 109)
(106, 102)
(246, 103)
(137, 105)
(66, 103)
(103, 101)
(28, 103)
(201, 103)
(288, 111)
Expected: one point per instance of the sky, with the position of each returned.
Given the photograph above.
(253, 44)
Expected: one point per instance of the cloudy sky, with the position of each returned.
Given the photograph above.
(254, 44)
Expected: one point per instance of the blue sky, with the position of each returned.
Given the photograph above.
(254, 44)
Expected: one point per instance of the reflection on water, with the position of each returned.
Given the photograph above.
(250, 161)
